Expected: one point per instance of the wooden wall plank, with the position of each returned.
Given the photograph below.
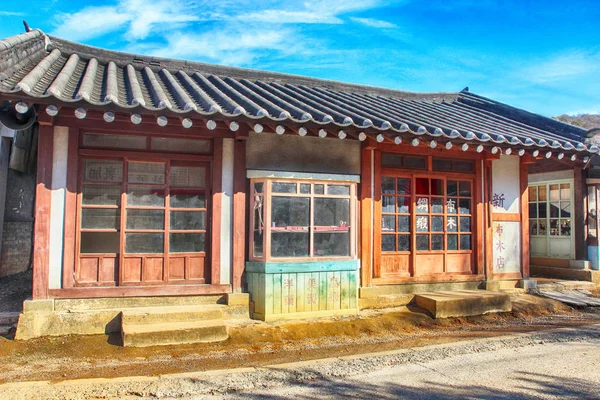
(479, 218)
(43, 197)
(366, 219)
(70, 209)
(239, 214)
(524, 206)
(579, 212)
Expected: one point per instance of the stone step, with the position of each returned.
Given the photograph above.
(157, 315)
(9, 318)
(543, 271)
(463, 303)
(5, 329)
(563, 286)
(144, 335)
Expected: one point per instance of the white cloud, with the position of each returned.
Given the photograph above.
(290, 17)
(11, 14)
(89, 23)
(562, 67)
(374, 23)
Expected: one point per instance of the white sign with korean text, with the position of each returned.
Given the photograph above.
(506, 185)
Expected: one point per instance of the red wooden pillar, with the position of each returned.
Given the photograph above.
(366, 217)
(43, 197)
(524, 186)
(217, 206)
(239, 214)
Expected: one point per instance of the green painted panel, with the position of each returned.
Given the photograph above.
(260, 292)
(322, 290)
(292, 303)
(352, 298)
(269, 296)
(300, 293)
(301, 267)
(277, 309)
(344, 301)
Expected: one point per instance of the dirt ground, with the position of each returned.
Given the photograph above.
(257, 343)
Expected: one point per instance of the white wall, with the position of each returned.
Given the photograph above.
(506, 184)
(57, 207)
(227, 211)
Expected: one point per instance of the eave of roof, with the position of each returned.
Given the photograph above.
(51, 70)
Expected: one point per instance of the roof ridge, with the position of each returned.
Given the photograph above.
(13, 41)
(122, 59)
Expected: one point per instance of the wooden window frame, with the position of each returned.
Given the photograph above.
(267, 196)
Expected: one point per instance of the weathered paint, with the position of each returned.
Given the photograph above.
(57, 208)
(289, 290)
(254, 173)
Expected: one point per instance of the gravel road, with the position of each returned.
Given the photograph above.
(559, 363)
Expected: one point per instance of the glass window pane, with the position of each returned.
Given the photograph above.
(437, 242)
(103, 171)
(187, 177)
(465, 188)
(437, 187)
(465, 242)
(258, 187)
(533, 193)
(146, 219)
(565, 191)
(187, 242)
(565, 227)
(403, 242)
(422, 205)
(100, 242)
(338, 190)
(282, 187)
(452, 242)
(463, 166)
(452, 187)
(332, 244)
(465, 206)
(565, 209)
(290, 212)
(388, 223)
(258, 227)
(554, 227)
(415, 162)
(104, 195)
(554, 210)
(98, 218)
(404, 205)
(422, 185)
(542, 193)
(332, 212)
(387, 185)
(289, 244)
(180, 145)
(452, 224)
(114, 141)
(404, 186)
(319, 189)
(437, 224)
(533, 226)
(186, 199)
(404, 223)
(145, 196)
(136, 243)
(422, 242)
(542, 207)
(465, 224)
(532, 210)
(451, 205)
(422, 223)
(388, 242)
(145, 172)
(542, 227)
(391, 160)
(442, 164)
(258, 242)
(554, 193)
(437, 205)
(187, 220)
(387, 204)
(305, 188)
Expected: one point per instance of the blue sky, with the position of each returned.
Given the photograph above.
(543, 56)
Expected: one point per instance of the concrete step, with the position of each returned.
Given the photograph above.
(157, 315)
(565, 273)
(144, 335)
(5, 329)
(9, 318)
(463, 303)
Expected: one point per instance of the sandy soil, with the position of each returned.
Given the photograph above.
(257, 343)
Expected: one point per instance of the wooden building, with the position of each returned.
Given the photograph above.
(166, 178)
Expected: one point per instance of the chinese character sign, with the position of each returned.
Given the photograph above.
(506, 249)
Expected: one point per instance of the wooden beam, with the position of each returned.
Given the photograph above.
(43, 198)
(70, 210)
(366, 218)
(217, 207)
(525, 243)
(239, 214)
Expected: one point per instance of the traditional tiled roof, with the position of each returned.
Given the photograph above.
(50, 70)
